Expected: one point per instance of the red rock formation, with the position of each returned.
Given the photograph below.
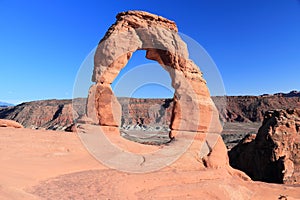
(136, 30)
(274, 154)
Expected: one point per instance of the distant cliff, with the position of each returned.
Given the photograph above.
(253, 108)
(45, 114)
(145, 113)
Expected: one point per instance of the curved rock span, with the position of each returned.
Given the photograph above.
(273, 155)
(193, 109)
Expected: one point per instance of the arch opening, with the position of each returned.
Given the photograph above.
(146, 97)
(142, 78)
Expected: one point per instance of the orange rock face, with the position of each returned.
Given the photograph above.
(274, 154)
(136, 30)
(102, 105)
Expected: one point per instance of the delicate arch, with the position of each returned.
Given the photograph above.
(136, 30)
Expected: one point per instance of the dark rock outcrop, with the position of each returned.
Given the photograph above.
(273, 155)
(293, 93)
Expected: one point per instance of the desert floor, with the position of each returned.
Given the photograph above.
(36, 164)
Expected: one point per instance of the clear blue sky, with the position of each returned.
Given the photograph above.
(254, 43)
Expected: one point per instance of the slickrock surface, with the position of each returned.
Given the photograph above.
(273, 155)
(193, 108)
(41, 164)
(29, 156)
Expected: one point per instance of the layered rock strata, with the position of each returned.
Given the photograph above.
(59, 115)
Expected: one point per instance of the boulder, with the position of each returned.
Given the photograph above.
(273, 155)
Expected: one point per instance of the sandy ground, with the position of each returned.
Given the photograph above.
(28, 156)
(55, 165)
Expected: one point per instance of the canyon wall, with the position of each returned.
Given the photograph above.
(58, 114)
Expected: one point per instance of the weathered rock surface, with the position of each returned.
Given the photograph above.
(9, 123)
(273, 155)
(101, 98)
(136, 30)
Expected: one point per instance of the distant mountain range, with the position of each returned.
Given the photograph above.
(4, 104)
(293, 93)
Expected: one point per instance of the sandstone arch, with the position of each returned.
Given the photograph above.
(137, 30)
